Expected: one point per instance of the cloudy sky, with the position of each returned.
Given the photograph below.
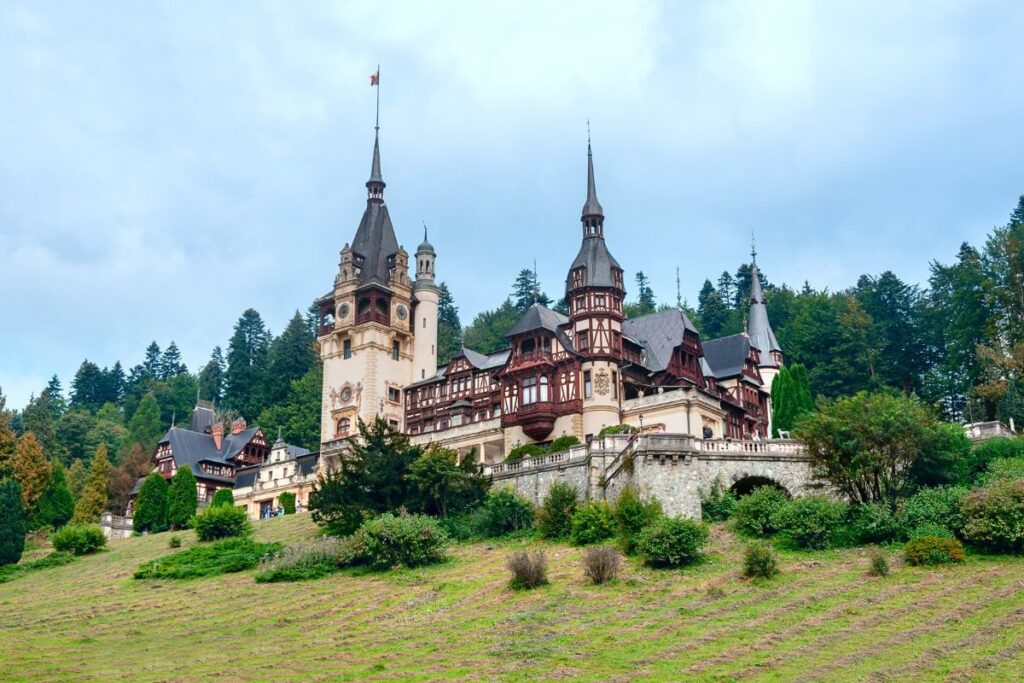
(164, 166)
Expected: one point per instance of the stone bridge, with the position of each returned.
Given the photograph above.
(674, 468)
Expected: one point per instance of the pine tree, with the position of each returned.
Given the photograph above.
(113, 385)
(12, 522)
(38, 418)
(150, 512)
(87, 387)
(487, 332)
(145, 427)
(211, 377)
(803, 399)
(712, 312)
(56, 393)
(77, 477)
(32, 470)
(247, 365)
(449, 328)
(298, 415)
(645, 295)
(726, 288)
(182, 498)
(290, 357)
(526, 291)
(170, 362)
(93, 500)
(55, 507)
(153, 363)
(783, 405)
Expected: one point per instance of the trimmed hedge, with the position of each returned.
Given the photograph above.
(80, 539)
(221, 522)
(223, 497)
(287, 501)
(672, 542)
(931, 550)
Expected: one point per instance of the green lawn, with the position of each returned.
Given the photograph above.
(824, 618)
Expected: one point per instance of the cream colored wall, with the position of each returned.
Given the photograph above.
(425, 344)
(566, 425)
(601, 409)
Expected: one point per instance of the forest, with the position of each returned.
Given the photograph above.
(957, 342)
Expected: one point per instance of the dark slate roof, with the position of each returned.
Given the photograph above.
(306, 464)
(659, 333)
(375, 176)
(597, 260)
(246, 476)
(202, 419)
(727, 355)
(477, 360)
(376, 243)
(191, 448)
(296, 451)
(759, 329)
(538, 316)
(592, 207)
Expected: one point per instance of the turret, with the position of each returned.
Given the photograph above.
(425, 312)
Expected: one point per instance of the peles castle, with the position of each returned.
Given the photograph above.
(559, 375)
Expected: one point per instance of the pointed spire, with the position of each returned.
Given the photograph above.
(758, 327)
(592, 208)
(375, 185)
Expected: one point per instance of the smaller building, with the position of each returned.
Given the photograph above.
(289, 469)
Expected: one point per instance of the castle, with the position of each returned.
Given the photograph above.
(559, 375)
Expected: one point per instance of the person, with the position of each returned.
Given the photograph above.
(280, 510)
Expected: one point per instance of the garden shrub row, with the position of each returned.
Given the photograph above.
(221, 557)
(78, 539)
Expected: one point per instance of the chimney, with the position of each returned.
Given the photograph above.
(238, 426)
(217, 432)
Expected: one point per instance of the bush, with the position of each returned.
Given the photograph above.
(811, 523)
(312, 559)
(562, 443)
(938, 506)
(55, 507)
(12, 571)
(936, 530)
(616, 429)
(223, 497)
(525, 451)
(879, 565)
(223, 557)
(871, 523)
(463, 526)
(1003, 469)
(633, 514)
(151, 506)
(994, 516)
(760, 561)
(83, 539)
(753, 513)
(174, 542)
(408, 540)
(717, 504)
(221, 522)
(287, 501)
(12, 522)
(554, 518)
(601, 564)
(672, 542)
(592, 523)
(528, 570)
(984, 454)
(504, 512)
(928, 550)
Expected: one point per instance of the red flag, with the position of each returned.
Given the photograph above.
(375, 78)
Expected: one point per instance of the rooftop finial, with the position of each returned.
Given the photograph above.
(536, 284)
(753, 248)
(592, 207)
(679, 291)
(375, 184)
(174, 418)
(424, 230)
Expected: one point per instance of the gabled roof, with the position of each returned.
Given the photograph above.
(727, 356)
(598, 262)
(202, 419)
(191, 448)
(538, 316)
(659, 333)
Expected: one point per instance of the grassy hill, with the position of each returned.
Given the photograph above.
(823, 619)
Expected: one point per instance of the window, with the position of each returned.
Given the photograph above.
(529, 390)
(615, 384)
(343, 427)
(346, 347)
(588, 388)
(395, 349)
(393, 423)
(393, 395)
(544, 396)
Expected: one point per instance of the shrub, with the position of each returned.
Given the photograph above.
(504, 512)
(935, 530)
(633, 514)
(994, 516)
(616, 429)
(753, 513)
(525, 451)
(409, 540)
(12, 522)
(182, 498)
(554, 518)
(562, 443)
(928, 550)
(811, 523)
(938, 506)
(871, 523)
(718, 503)
(760, 561)
(1003, 469)
(984, 454)
(312, 559)
(879, 565)
(174, 542)
(592, 523)
(672, 542)
(80, 539)
(223, 557)
(223, 497)
(55, 507)
(463, 526)
(287, 501)
(151, 506)
(529, 570)
(601, 564)
(221, 522)
(56, 559)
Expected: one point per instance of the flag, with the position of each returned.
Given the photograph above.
(375, 78)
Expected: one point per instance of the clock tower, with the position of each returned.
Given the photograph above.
(368, 340)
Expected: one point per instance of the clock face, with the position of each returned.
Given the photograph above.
(346, 394)
(343, 311)
(402, 312)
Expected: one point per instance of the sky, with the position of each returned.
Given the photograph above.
(166, 165)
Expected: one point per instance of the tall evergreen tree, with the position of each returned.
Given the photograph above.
(526, 290)
(87, 388)
(55, 506)
(211, 377)
(93, 500)
(289, 358)
(645, 303)
(150, 512)
(487, 332)
(72, 435)
(783, 402)
(298, 415)
(153, 363)
(8, 439)
(247, 365)
(182, 498)
(712, 311)
(12, 522)
(32, 470)
(39, 418)
(170, 362)
(449, 328)
(145, 427)
(77, 476)
(894, 334)
(726, 288)
(114, 384)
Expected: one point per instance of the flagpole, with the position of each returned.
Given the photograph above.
(377, 123)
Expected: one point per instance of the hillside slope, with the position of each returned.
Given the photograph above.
(824, 618)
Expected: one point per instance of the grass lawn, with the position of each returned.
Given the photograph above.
(824, 618)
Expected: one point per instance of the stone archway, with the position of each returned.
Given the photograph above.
(746, 485)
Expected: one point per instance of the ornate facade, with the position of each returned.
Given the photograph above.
(559, 375)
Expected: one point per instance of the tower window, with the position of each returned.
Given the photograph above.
(529, 390)
(343, 427)
(393, 395)
(544, 396)
(346, 347)
(615, 384)
(395, 350)
(588, 387)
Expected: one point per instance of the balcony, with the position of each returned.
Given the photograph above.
(373, 317)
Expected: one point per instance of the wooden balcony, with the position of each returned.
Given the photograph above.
(373, 317)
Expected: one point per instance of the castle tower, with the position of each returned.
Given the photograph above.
(366, 333)
(594, 291)
(760, 332)
(425, 312)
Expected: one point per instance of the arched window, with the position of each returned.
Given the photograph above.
(544, 396)
(343, 426)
